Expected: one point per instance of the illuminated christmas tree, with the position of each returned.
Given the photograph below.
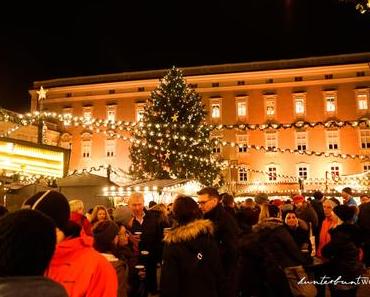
(171, 140)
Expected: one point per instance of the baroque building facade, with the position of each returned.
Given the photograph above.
(308, 90)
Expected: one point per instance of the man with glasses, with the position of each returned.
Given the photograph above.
(226, 233)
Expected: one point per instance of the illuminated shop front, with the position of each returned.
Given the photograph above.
(32, 160)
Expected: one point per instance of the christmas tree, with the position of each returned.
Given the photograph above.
(172, 140)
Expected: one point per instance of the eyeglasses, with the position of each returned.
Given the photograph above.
(203, 202)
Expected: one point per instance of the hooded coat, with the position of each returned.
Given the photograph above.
(82, 270)
(191, 262)
(264, 254)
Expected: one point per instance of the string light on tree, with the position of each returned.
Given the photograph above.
(173, 114)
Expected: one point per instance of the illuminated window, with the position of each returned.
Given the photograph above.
(332, 138)
(301, 141)
(242, 109)
(271, 139)
(215, 111)
(111, 112)
(242, 140)
(272, 173)
(302, 172)
(139, 111)
(365, 139)
(270, 108)
(299, 104)
(362, 99)
(334, 170)
(217, 147)
(86, 149)
(330, 101)
(242, 175)
(87, 114)
(110, 148)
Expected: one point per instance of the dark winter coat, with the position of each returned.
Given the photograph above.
(226, 235)
(191, 263)
(301, 235)
(343, 252)
(264, 254)
(309, 215)
(151, 241)
(35, 286)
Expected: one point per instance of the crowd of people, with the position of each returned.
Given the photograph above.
(207, 246)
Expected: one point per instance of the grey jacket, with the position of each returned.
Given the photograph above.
(35, 286)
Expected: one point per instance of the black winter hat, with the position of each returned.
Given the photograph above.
(53, 204)
(105, 231)
(344, 212)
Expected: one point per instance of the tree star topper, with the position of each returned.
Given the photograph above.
(167, 155)
(175, 117)
(42, 94)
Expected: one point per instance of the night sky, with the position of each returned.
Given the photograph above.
(73, 38)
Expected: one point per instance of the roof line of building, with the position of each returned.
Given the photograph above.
(210, 69)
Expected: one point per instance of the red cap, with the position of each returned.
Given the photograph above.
(277, 202)
(298, 199)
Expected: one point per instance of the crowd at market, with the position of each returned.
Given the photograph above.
(202, 246)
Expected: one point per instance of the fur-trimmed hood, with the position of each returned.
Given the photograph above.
(269, 223)
(189, 231)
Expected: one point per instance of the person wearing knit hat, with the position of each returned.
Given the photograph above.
(122, 215)
(343, 252)
(53, 204)
(261, 198)
(298, 199)
(345, 213)
(105, 242)
(347, 197)
(75, 264)
(27, 244)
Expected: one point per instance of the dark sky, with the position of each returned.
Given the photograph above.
(71, 38)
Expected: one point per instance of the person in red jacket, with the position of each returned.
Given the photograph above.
(75, 264)
(77, 215)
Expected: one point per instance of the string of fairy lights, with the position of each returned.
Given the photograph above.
(108, 127)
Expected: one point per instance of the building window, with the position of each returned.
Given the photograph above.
(362, 101)
(334, 171)
(242, 140)
(112, 91)
(330, 102)
(217, 147)
(299, 104)
(216, 113)
(332, 138)
(365, 139)
(298, 78)
(243, 175)
(270, 106)
(271, 140)
(367, 167)
(362, 98)
(241, 83)
(110, 148)
(86, 149)
(193, 86)
(140, 89)
(272, 173)
(328, 76)
(111, 113)
(302, 172)
(301, 141)
(360, 73)
(215, 85)
(241, 107)
(87, 114)
(139, 111)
